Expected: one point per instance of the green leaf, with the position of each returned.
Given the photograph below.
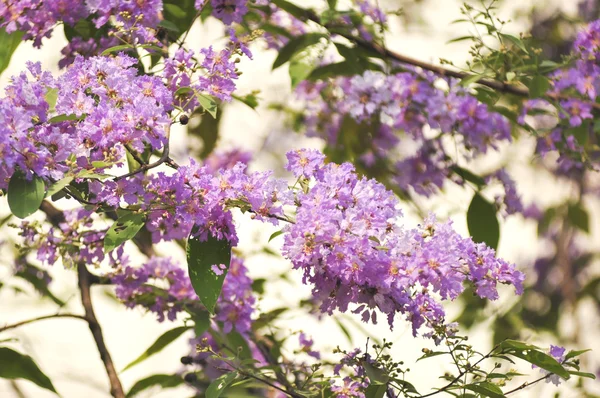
(203, 258)
(470, 79)
(121, 47)
(25, 197)
(482, 221)
(299, 71)
(275, 234)
(216, 388)
(579, 217)
(181, 14)
(583, 374)
(170, 26)
(376, 391)
(14, 365)
(291, 8)
(58, 186)
(432, 354)
(64, 118)
(164, 340)
(208, 104)
(296, 45)
(468, 175)
(51, 97)
(486, 389)
(375, 374)
(535, 357)
(462, 38)
(201, 322)
(538, 86)
(573, 354)
(251, 100)
(162, 380)
(515, 41)
(8, 44)
(125, 228)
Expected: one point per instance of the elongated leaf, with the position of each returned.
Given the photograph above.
(376, 391)
(486, 389)
(291, 8)
(275, 234)
(579, 217)
(208, 263)
(538, 86)
(8, 44)
(515, 41)
(296, 45)
(543, 361)
(125, 228)
(25, 196)
(64, 118)
(162, 380)
(482, 221)
(208, 104)
(584, 374)
(216, 388)
(179, 13)
(432, 354)
(14, 365)
(573, 354)
(58, 186)
(164, 340)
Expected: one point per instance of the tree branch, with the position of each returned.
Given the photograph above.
(504, 87)
(116, 389)
(41, 318)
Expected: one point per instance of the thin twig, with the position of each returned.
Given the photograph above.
(41, 318)
(527, 384)
(116, 389)
(145, 167)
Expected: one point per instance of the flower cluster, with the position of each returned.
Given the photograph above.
(410, 102)
(101, 106)
(163, 287)
(351, 248)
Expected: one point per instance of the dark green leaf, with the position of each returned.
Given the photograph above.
(538, 86)
(486, 389)
(179, 13)
(121, 47)
(578, 217)
(216, 388)
(584, 374)
(299, 71)
(25, 196)
(125, 228)
(482, 221)
(164, 381)
(170, 26)
(375, 374)
(468, 176)
(201, 322)
(376, 391)
(296, 45)
(164, 340)
(539, 359)
(251, 100)
(203, 259)
(14, 365)
(8, 44)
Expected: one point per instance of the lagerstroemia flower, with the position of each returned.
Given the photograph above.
(349, 244)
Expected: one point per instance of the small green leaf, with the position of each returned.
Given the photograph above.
(486, 389)
(482, 221)
(25, 196)
(170, 26)
(51, 97)
(291, 8)
(462, 38)
(216, 388)
(470, 79)
(299, 71)
(208, 104)
(573, 354)
(120, 47)
(515, 41)
(432, 354)
(208, 264)
(58, 186)
(64, 118)
(164, 340)
(468, 175)
(14, 365)
(296, 45)
(275, 234)
(538, 86)
(162, 380)
(8, 44)
(125, 228)
(538, 358)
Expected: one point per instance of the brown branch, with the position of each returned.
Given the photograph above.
(116, 389)
(41, 318)
(145, 167)
(527, 384)
(504, 87)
